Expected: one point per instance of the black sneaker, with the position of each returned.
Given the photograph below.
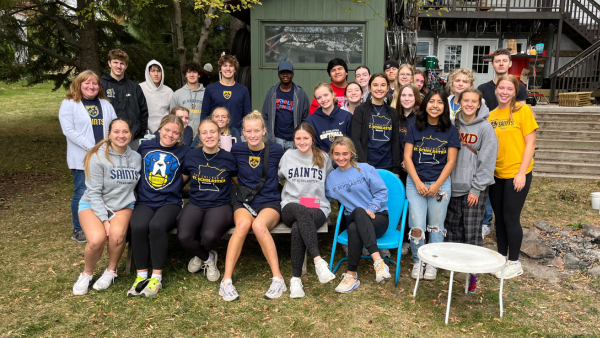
(79, 236)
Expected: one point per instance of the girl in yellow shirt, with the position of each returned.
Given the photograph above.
(515, 128)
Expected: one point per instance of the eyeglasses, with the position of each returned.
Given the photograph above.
(405, 74)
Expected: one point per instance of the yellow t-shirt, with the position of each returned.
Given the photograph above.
(511, 139)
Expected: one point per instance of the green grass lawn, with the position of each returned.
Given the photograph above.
(40, 263)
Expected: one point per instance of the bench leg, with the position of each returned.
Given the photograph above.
(129, 264)
(304, 265)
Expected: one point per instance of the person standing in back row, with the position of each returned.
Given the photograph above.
(338, 72)
(227, 93)
(191, 95)
(125, 95)
(157, 94)
(286, 106)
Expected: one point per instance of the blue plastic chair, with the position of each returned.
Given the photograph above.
(392, 239)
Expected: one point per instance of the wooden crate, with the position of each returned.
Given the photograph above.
(579, 99)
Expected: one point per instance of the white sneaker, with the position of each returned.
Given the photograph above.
(276, 289)
(210, 268)
(348, 283)
(405, 248)
(485, 230)
(415, 271)
(227, 291)
(296, 288)
(325, 275)
(106, 280)
(430, 272)
(195, 264)
(513, 269)
(82, 285)
(385, 253)
(382, 271)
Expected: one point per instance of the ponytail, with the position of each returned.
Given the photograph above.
(105, 142)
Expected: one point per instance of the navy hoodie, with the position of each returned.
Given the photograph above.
(161, 181)
(329, 127)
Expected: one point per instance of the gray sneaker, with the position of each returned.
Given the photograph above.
(228, 291)
(210, 268)
(276, 289)
(79, 236)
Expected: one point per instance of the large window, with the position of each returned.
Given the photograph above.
(313, 44)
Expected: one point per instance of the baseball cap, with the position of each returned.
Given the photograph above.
(391, 63)
(285, 65)
(208, 67)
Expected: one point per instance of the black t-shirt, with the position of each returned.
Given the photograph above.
(284, 116)
(94, 109)
(210, 177)
(380, 135)
(488, 90)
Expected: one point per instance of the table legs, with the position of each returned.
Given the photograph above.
(417, 283)
(449, 296)
(501, 288)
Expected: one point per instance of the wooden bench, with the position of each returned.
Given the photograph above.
(279, 229)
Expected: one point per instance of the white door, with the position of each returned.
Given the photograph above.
(467, 53)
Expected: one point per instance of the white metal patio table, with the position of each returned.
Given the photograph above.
(460, 257)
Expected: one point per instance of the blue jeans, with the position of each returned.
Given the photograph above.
(489, 213)
(78, 190)
(287, 145)
(426, 214)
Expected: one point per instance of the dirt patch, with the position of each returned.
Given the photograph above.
(18, 183)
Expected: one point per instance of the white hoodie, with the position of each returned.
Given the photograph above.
(157, 98)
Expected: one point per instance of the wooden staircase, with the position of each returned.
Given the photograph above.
(568, 142)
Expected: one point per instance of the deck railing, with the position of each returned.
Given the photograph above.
(582, 74)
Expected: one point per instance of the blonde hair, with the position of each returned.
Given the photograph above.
(397, 82)
(200, 144)
(513, 102)
(345, 141)
(460, 71)
(177, 108)
(255, 116)
(224, 130)
(328, 86)
(105, 142)
(75, 88)
(173, 119)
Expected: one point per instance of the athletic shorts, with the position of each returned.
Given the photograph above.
(85, 205)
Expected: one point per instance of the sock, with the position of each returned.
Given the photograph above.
(143, 274)
(515, 262)
(211, 257)
(226, 281)
(159, 277)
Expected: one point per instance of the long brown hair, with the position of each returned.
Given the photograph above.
(345, 141)
(423, 90)
(514, 106)
(318, 154)
(225, 130)
(74, 92)
(397, 102)
(105, 142)
(173, 119)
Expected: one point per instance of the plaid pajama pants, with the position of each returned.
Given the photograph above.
(463, 223)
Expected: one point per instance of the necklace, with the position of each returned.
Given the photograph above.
(207, 160)
(378, 111)
(253, 153)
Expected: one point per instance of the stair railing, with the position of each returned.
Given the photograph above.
(581, 74)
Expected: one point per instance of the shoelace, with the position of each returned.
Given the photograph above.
(347, 279)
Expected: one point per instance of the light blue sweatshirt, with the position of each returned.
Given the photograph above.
(357, 189)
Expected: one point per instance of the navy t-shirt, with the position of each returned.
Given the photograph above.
(284, 119)
(235, 98)
(380, 135)
(250, 166)
(210, 177)
(161, 183)
(94, 109)
(430, 151)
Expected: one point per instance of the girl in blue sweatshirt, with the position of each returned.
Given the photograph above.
(158, 204)
(363, 193)
(111, 171)
(328, 121)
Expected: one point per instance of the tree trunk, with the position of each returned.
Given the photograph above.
(89, 57)
(199, 50)
(174, 42)
(180, 39)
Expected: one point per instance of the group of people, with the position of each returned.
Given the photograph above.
(451, 152)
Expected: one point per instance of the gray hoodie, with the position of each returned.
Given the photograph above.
(157, 98)
(192, 100)
(473, 173)
(110, 187)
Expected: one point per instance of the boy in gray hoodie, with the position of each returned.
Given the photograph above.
(474, 170)
(191, 95)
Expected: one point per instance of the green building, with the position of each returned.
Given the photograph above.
(309, 33)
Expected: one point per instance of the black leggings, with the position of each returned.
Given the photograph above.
(304, 223)
(157, 223)
(507, 205)
(364, 230)
(200, 230)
